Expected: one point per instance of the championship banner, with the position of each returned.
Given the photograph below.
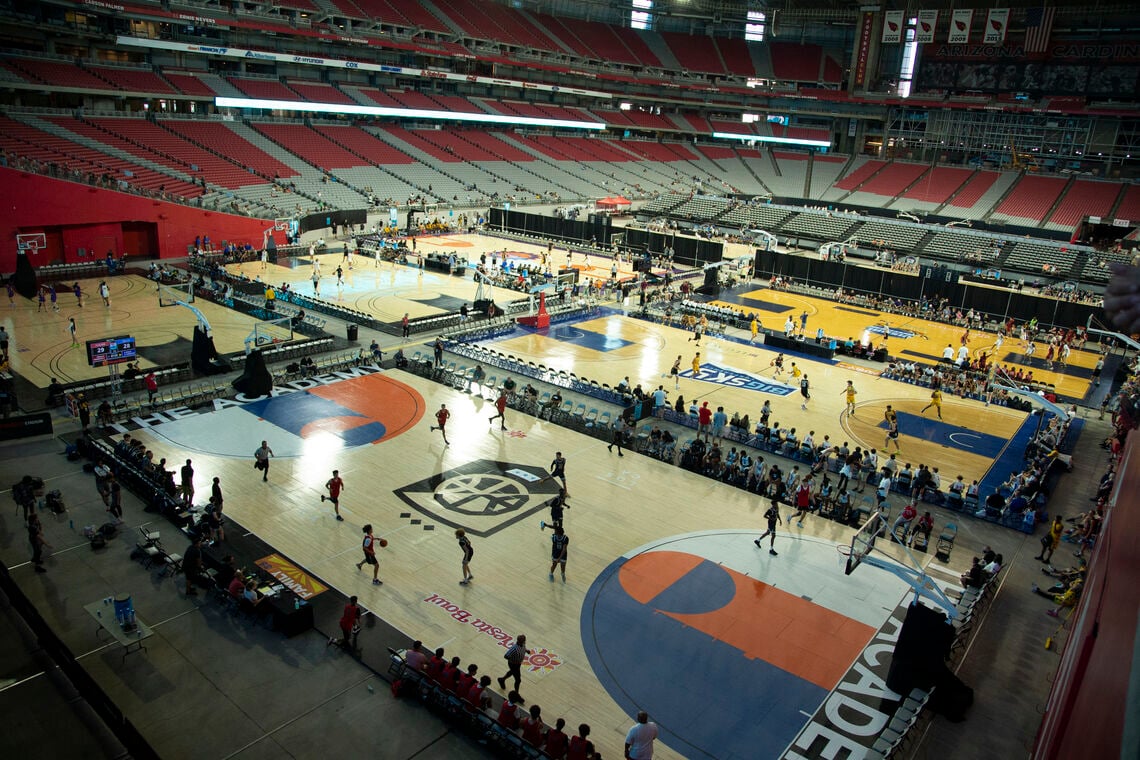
(927, 23)
(996, 24)
(960, 22)
(892, 27)
(863, 52)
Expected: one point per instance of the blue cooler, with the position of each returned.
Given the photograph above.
(125, 611)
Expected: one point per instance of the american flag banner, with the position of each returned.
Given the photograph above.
(1038, 28)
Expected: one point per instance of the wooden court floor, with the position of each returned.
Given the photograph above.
(663, 522)
(387, 290)
(638, 526)
(41, 346)
(927, 341)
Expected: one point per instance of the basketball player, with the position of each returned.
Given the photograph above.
(558, 470)
(500, 407)
(696, 365)
(892, 429)
(849, 393)
(935, 401)
(369, 547)
(559, 543)
(675, 373)
(778, 363)
(773, 517)
(804, 391)
(468, 552)
(754, 328)
(261, 460)
(441, 418)
(557, 504)
(334, 485)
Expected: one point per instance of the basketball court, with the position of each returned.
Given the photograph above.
(668, 605)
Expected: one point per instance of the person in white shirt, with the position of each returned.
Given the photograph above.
(963, 354)
(639, 740)
(948, 353)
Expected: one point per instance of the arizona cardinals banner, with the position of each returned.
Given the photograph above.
(892, 27)
(927, 23)
(996, 24)
(960, 26)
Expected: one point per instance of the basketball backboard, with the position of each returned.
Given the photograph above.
(863, 541)
(175, 293)
(31, 242)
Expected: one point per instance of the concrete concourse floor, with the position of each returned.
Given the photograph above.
(209, 685)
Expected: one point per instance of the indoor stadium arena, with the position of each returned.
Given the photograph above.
(708, 379)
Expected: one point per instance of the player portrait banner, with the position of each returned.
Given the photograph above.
(892, 27)
(927, 23)
(996, 24)
(960, 21)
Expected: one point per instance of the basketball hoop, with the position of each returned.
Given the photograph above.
(844, 552)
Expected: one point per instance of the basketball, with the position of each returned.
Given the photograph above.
(383, 542)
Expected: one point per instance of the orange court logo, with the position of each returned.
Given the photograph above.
(292, 577)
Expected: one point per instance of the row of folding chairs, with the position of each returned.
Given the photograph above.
(901, 725)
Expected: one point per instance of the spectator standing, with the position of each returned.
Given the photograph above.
(3, 344)
(349, 625)
(261, 459)
(639, 739)
(192, 563)
(151, 383)
(36, 539)
(405, 326)
(437, 350)
(186, 489)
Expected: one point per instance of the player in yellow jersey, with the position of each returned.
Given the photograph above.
(849, 392)
(935, 401)
(755, 328)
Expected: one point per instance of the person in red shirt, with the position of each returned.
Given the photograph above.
(556, 741)
(477, 696)
(151, 383)
(435, 665)
(450, 675)
(348, 625)
(334, 485)
(580, 747)
(704, 419)
(509, 712)
(500, 406)
(532, 726)
(466, 680)
(441, 418)
(803, 502)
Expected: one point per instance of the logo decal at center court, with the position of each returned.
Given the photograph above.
(483, 496)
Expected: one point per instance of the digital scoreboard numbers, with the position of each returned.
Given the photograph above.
(111, 351)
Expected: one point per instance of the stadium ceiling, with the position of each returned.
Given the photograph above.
(722, 11)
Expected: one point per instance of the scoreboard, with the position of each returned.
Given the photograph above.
(111, 351)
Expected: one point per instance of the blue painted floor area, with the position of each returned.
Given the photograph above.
(758, 304)
(294, 412)
(587, 338)
(864, 312)
(1011, 459)
(890, 332)
(946, 434)
(648, 661)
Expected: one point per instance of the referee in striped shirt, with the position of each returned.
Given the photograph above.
(515, 657)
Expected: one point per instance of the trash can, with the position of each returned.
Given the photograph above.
(353, 332)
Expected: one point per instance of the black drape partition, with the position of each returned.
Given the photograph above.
(595, 227)
(326, 219)
(987, 297)
(688, 251)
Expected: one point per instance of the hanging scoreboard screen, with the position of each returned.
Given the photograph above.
(111, 351)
